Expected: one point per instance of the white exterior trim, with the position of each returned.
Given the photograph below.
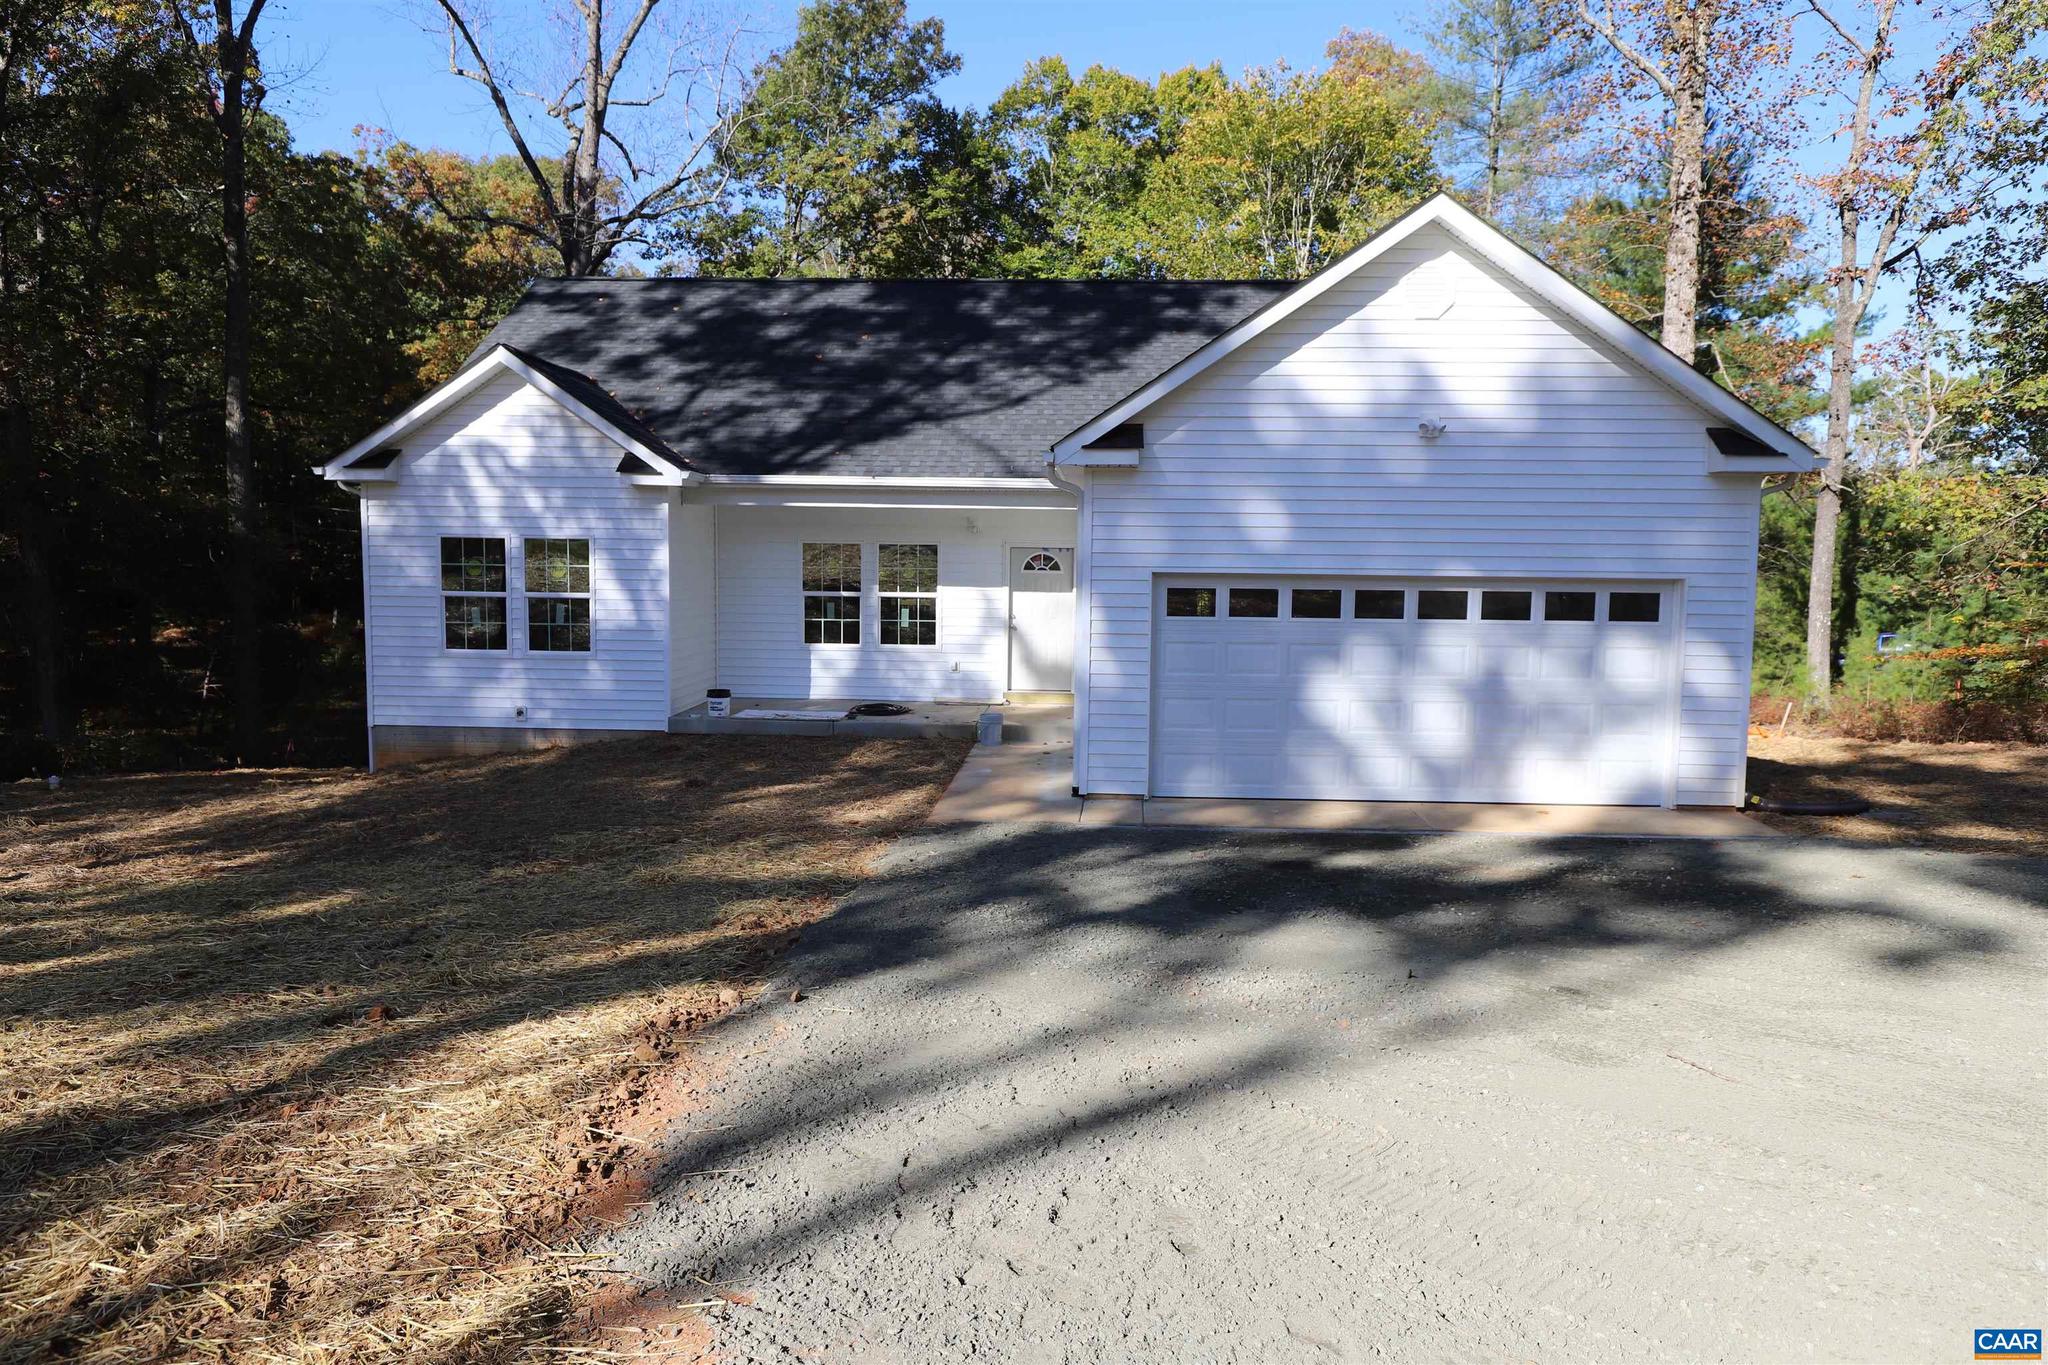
(1502, 252)
(851, 492)
(497, 359)
(870, 481)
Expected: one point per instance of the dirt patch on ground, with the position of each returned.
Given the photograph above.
(319, 1065)
(1983, 798)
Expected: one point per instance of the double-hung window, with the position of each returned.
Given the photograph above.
(831, 594)
(909, 584)
(472, 592)
(558, 596)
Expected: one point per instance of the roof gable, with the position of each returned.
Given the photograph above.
(1605, 326)
(376, 458)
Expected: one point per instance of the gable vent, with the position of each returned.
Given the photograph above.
(1729, 441)
(1127, 436)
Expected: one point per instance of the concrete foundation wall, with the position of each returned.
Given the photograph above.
(394, 745)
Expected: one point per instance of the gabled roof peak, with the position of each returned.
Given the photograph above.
(1489, 242)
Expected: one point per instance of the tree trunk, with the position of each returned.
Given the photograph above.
(1682, 229)
(582, 173)
(245, 600)
(38, 584)
(233, 54)
(1827, 505)
(1496, 111)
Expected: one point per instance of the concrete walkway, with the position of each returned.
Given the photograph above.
(1033, 784)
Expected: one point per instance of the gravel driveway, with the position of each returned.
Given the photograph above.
(1059, 1095)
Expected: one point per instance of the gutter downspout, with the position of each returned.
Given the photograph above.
(1082, 608)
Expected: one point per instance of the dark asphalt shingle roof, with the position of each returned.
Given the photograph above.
(962, 378)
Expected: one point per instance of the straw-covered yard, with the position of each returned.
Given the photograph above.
(306, 1065)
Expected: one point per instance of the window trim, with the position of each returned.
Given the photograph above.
(588, 597)
(858, 595)
(503, 595)
(882, 595)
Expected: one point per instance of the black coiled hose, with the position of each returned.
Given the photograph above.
(1853, 805)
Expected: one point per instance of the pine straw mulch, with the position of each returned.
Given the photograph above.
(315, 1066)
(1976, 798)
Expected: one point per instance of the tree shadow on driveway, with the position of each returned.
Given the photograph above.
(1013, 1013)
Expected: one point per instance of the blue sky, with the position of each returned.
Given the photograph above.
(383, 63)
(372, 62)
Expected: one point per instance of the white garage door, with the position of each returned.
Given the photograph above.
(1432, 690)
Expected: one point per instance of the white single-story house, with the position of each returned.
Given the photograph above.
(1431, 525)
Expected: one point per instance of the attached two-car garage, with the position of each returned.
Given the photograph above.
(1417, 690)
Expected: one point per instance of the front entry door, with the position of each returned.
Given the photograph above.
(1042, 618)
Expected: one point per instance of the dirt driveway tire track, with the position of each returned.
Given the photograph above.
(1118, 1095)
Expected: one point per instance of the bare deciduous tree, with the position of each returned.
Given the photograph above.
(1899, 138)
(1912, 420)
(614, 182)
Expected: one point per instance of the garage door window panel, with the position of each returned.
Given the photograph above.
(1569, 606)
(1191, 602)
(1316, 604)
(1441, 604)
(1504, 606)
(1633, 607)
(1379, 604)
(1255, 603)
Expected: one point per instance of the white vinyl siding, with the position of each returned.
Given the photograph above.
(507, 461)
(693, 655)
(761, 649)
(1299, 454)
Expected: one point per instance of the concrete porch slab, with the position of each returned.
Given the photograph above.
(1033, 723)
(1033, 783)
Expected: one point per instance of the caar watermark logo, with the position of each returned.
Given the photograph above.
(2007, 1343)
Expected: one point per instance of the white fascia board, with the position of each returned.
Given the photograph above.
(1100, 459)
(462, 385)
(1633, 343)
(868, 481)
(1499, 249)
(1068, 449)
(848, 491)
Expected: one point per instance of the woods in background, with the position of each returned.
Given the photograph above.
(1739, 178)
